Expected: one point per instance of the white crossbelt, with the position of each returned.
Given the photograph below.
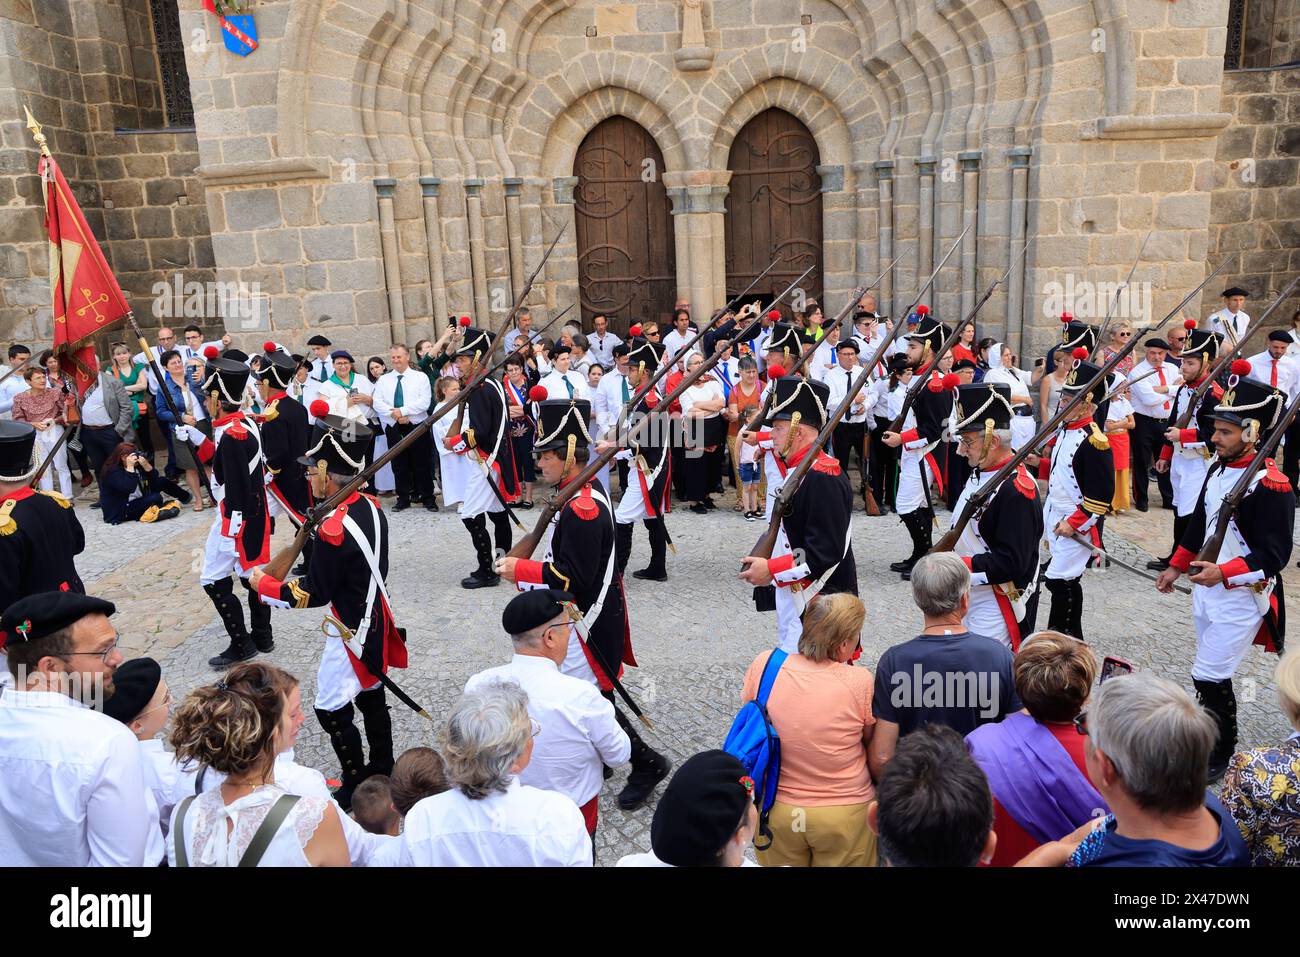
(376, 579)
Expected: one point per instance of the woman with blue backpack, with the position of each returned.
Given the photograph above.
(803, 736)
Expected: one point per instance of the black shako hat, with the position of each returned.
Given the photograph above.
(226, 377)
(703, 805)
(532, 609)
(477, 342)
(1255, 406)
(43, 613)
(797, 396)
(983, 406)
(134, 684)
(642, 352)
(17, 439)
(783, 338)
(929, 331)
(277, 369)
(1075, 334)
(562, 423)
(1202, 344)
(340, 443)
(1080, 375)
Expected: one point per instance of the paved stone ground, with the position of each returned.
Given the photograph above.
(694, 636)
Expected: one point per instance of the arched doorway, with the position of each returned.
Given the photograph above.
(774, 207)
(626, 257)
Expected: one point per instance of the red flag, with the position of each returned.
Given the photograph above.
(87, 298)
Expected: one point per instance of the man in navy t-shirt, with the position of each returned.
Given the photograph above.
(946, 675)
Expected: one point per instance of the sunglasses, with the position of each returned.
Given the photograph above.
(1081, 722)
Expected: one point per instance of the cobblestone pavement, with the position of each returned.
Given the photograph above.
(694, 635)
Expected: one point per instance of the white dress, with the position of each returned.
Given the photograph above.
(209, 842)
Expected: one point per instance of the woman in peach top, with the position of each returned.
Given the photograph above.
(820, 706)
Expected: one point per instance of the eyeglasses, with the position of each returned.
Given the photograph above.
(1081, 722)
(166, 338)
(536, 728)
(1124, 335)
(101, 655)
(167, 702)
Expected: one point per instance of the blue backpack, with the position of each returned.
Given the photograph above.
(754, 742)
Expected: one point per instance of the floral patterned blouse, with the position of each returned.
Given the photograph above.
(1262, 793)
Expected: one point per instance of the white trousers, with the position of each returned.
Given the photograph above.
(1226, 620)
(336, 680)
(1187, 473)
(984, 617)
(220, 559)
(44, 442)
(1069, 558)
(911, 485)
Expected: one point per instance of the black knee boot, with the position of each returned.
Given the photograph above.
(622, 545)
(920, 526)
(656, 571)
(484, 576)
(379, 730)
(1066, 615)
(1030, 623)
(649, 767)
(346, 741)
(501, 531)
(1221, 701)
(241, 647)
(259, 620)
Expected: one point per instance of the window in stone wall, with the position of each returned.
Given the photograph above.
(169, 47)
(1262, 34)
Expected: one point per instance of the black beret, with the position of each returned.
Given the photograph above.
(134, 684)
(700, 809)
(621, 349)
(531, 609)
(1277, 335)
(849, 343)
(1156, 343)
(42, 614)
(963, 364)
(1234, 291)
(318, 341)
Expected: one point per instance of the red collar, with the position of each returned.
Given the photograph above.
(354, 497)
(994, 468)
(227, 419)
(1240, 462)
(569, 482)
(275, 397)
(797, 457)
(1196, 384)
(1082, 423)
(18, 494)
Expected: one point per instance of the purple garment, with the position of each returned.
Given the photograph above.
(1034, 778)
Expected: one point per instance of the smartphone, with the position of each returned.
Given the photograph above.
(1039, 362)
(1112, 666)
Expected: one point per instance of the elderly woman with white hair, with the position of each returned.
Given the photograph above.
(487, 818)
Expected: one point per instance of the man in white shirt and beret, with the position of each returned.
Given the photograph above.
(579, 734)
(72, 779)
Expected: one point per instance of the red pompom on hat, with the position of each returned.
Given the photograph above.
(774, 315)
(1067, 317)
(211, 352)
(1080, 353)
(923, 310)
(268, 346)
(634, 329)
(935, 384)
(775, 371)
(1240, 367)
(951, 381)
(318, 408)
(538, 393)
(1189, 324)
(464, 320)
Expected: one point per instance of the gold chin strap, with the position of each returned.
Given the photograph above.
(1250, 434)
(568, 455)
(794, 431)
(988, 432)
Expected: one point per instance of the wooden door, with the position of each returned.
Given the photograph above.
(774, 208)
(626, 257)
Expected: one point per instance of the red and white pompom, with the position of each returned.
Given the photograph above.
(1079, 354)
(951, 381)
(268, 346)
(923, 310)
(1066, 318)
(1240, 367)
(211, 352)
(464, 320)
(538, 393)
(775, 371)
(634, 329)
(318, 408)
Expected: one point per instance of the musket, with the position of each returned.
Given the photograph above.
(767, 542)
(1221, 362)
(735, 300)
(977, 499)
(1128, 382)
(282, 561)
(532, 277)
(525, 547)
(1101, 335)
(915, 388)
(1111, 559)
(346, 635)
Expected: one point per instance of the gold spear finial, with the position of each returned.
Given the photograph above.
(37, 135)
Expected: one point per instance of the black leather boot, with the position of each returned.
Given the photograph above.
(1076, 608)
(484, 576)
(1066, 615)
(346, 741)
(649, 767)
(920, 525)
(259, 620)
(241, 647)
(501, 534)
(379, 730)
(656, 571)
(622, 545)
(1220, 700)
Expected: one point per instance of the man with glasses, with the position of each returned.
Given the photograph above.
(72, 793)
(575, 732)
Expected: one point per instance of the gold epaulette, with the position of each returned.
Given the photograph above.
(7, 523)
(1098, 438)
(66, 503)
(271, 411)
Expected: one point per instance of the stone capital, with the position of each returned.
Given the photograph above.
(512, 185)
(832, 178)
(429, 185)
(563, 187)
(1018, 156)
(384, 186)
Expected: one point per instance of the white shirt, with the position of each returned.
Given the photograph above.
(8, 389)
(674, 344)
(512, 338)
(579, 733)
(1288, 372)
(555, 388)
(416, 396)
(702, 389)
(648, 859)
(1146, 401)
(337, 397)
(92, 407)
(147, 359)
(838, 381)
(524, 827)
(1222, 320)
(608, 400)
(72, 785)
(601, 348)
(825, 361)
(728, 371)
(160, 773)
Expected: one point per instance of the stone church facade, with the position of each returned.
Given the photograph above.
(377, 165)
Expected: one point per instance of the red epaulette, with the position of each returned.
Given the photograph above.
(1025, 484)
(583, 505)
(1273, 478)
(331, 530)
(236, 430)
(826, 465)
(1216, 390)
(374, 500)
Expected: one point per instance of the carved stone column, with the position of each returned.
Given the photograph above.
(925, 218)
(477, 249)
(885, 186)
(1019, 158)
(699, 216)
(970, 194)
(433, 239)
(513, 234)
(385, 187)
